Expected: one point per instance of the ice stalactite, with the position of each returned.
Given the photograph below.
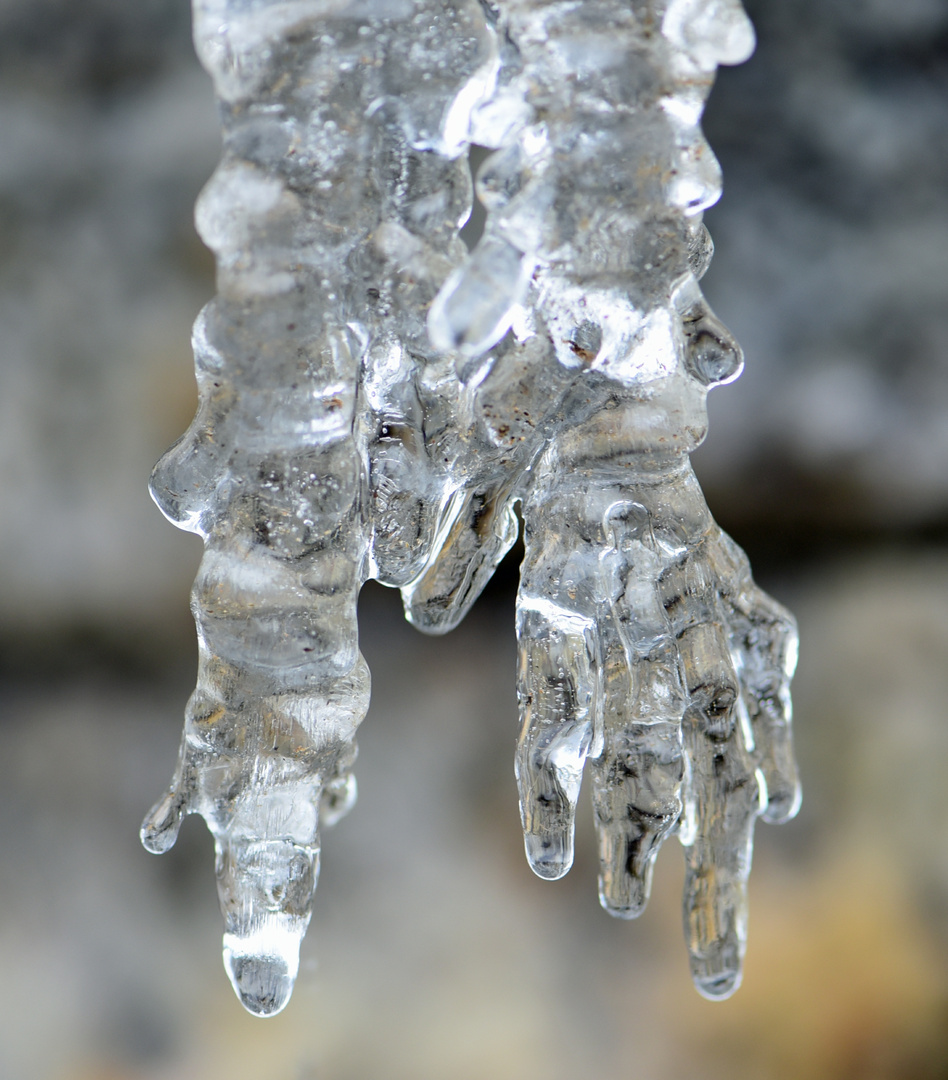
(375, 403)
(337, 150)
(645, 647)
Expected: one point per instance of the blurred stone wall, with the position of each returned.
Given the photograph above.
(832, 267)
(108, 130)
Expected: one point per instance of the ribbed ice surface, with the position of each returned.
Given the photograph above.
(374, 402)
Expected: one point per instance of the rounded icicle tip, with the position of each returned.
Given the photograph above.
(718, 987)
(624, 899)
(711, 34)
(717, 967)
(159, 830)
(550, 857)
(262, 980)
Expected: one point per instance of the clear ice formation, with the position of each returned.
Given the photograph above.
(375, 402)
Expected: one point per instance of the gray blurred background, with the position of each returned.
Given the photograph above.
(434, 953)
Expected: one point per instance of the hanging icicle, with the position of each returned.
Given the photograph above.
(374, 402)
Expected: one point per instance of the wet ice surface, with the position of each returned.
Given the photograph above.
(448, 948)
(110, 130)
(364, 413)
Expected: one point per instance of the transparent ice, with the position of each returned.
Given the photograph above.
(375, 402)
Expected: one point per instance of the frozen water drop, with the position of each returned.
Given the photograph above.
(262, 980)
(338, 799)
(550, 857)
(159, 830)
(717, 986)
(700, 250)
(712, 32)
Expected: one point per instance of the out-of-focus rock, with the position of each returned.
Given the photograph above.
(832, 267)
(108, 131)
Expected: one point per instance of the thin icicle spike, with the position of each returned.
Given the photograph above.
(375, 401)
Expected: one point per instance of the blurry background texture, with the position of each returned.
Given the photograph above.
(434, 952)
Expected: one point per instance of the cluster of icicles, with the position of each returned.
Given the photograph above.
(375, 402)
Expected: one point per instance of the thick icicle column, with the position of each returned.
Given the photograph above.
(375, 403)
(337, 122)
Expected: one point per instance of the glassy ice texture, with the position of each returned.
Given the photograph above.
(337, 197)
(375, 402)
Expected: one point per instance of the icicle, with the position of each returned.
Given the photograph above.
(340, 142)
(374, 403)
(646, 650)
